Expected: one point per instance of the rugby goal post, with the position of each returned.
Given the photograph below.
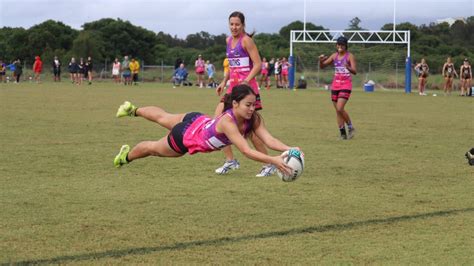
(354, 36)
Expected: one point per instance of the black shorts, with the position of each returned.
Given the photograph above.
(337, 94)
(175, 137)
(57, 72)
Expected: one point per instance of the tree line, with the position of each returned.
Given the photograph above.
(108, 38)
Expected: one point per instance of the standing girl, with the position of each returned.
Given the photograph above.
(341, 88)
(466, 77)
(448, 73)
(284, 72)
(199, 67)
(422, 69)
(116, 70)
(244, 66)
(264, 74)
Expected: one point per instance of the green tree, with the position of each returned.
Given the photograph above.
(89, 43)
(354, 24)
(296, 25)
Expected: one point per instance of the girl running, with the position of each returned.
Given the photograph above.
(448, 73)
(195, 132)
(341, 88)
(244, 66)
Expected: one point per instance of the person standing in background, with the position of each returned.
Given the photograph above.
(423, 70)
(448, 73)
(18, 70)
(38, 68)
(210, 74)
(56, 69)
(127, 80)
(466, 77)
(199, 66)
(89, 69)
(3, 71)
(116, 70)
(135, 69)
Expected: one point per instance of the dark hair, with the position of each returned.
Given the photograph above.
(342, 40)
(240, 15)
(238, 93)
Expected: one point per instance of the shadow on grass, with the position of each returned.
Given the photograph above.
(229, 240)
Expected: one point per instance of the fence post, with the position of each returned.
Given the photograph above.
(162, 74)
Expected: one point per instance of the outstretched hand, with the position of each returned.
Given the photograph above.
(281, 165)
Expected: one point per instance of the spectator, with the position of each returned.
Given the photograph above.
(271, 71)
(422, 69)
(179, 76)
(264, 74)
(199, 67)
(18, 70)
(127, 80)
(210, 73)
(116, 70)
(57, 69)
(73, 68)
(135, 68)
(277, 71)
(88, 69)
(302, 83)
(466, 77)
(37, 68)
(3, 70)
(285, 66)
(12, 68)
(178, 63)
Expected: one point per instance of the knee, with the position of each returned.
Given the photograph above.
(339, 110)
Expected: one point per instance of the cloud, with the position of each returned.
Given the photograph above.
(183, 17)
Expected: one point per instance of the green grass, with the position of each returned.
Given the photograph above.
(401, 192)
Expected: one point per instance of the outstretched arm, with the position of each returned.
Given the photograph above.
(270, 141)
(231, 131)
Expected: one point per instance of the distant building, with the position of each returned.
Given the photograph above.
(450, 21)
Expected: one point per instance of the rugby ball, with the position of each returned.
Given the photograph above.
(295, 159)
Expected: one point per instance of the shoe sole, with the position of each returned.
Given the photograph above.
(124, 148)
(122, 109)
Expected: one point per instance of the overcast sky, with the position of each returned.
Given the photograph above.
(183, 17)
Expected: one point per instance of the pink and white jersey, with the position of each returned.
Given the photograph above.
(240, 65)
(201, 135)
(342, 77)
(284, 68)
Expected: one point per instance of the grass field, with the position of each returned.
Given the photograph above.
(400, 192)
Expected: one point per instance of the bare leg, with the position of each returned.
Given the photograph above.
(339, 106)
(159, 148)
(160, 116)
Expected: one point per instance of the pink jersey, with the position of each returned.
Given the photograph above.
(264, 70)
(240, 65)
(342, 77)
(201, 135)
(284, 68)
